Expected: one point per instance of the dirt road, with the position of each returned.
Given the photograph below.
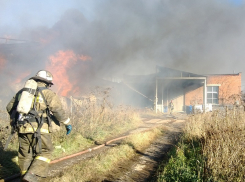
(144, 166)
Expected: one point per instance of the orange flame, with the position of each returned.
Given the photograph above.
(84, 58)
(17, 83)
(46, 38)
(21, 77)
(59, 66)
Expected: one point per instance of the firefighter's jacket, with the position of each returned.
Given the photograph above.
(53, 103)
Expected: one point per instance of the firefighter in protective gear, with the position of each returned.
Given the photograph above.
(171, 106)
(35, 152)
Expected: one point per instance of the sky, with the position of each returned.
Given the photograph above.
(110, 38)
(23, 13)
(236, 2)
(28, 13)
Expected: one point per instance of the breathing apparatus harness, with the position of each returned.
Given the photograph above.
(32, 116)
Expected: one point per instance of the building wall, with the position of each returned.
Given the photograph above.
(229, 89)
(194, 95)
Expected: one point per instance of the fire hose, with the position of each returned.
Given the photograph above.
(76, 154)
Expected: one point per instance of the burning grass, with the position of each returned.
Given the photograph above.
(212, 149)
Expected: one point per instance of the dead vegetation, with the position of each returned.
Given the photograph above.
(222, 135)
(93, 120)
(102, 165)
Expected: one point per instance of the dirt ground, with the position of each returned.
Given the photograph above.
(144, 166)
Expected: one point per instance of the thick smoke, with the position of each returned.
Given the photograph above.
(132, 37)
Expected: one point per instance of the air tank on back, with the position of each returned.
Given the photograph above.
(27, 97)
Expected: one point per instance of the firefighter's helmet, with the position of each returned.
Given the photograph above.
(44, 76)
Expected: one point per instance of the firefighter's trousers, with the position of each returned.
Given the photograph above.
(29, 161)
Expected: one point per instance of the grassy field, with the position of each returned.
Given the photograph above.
(92, 121)
(211, 149)
(96, 168)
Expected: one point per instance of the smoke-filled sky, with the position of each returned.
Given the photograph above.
(80, 40)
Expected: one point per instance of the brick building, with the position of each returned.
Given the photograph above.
(221, 90)
(183, 88)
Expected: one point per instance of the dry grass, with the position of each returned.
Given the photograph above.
(150, 113)
(222, 135)
(141, 140)
(98, 119)
(92, 120)
(8, 159)
(96, 168)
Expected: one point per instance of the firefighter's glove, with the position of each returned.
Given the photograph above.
(68, 129)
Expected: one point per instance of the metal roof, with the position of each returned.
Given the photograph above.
(163, 72)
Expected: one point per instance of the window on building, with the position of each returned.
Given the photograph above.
(212, 94)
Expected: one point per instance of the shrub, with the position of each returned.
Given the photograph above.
(217, 137)
(185, 163)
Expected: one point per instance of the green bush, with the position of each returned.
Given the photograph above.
(185, 164)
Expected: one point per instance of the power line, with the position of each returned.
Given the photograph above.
(22, 40)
